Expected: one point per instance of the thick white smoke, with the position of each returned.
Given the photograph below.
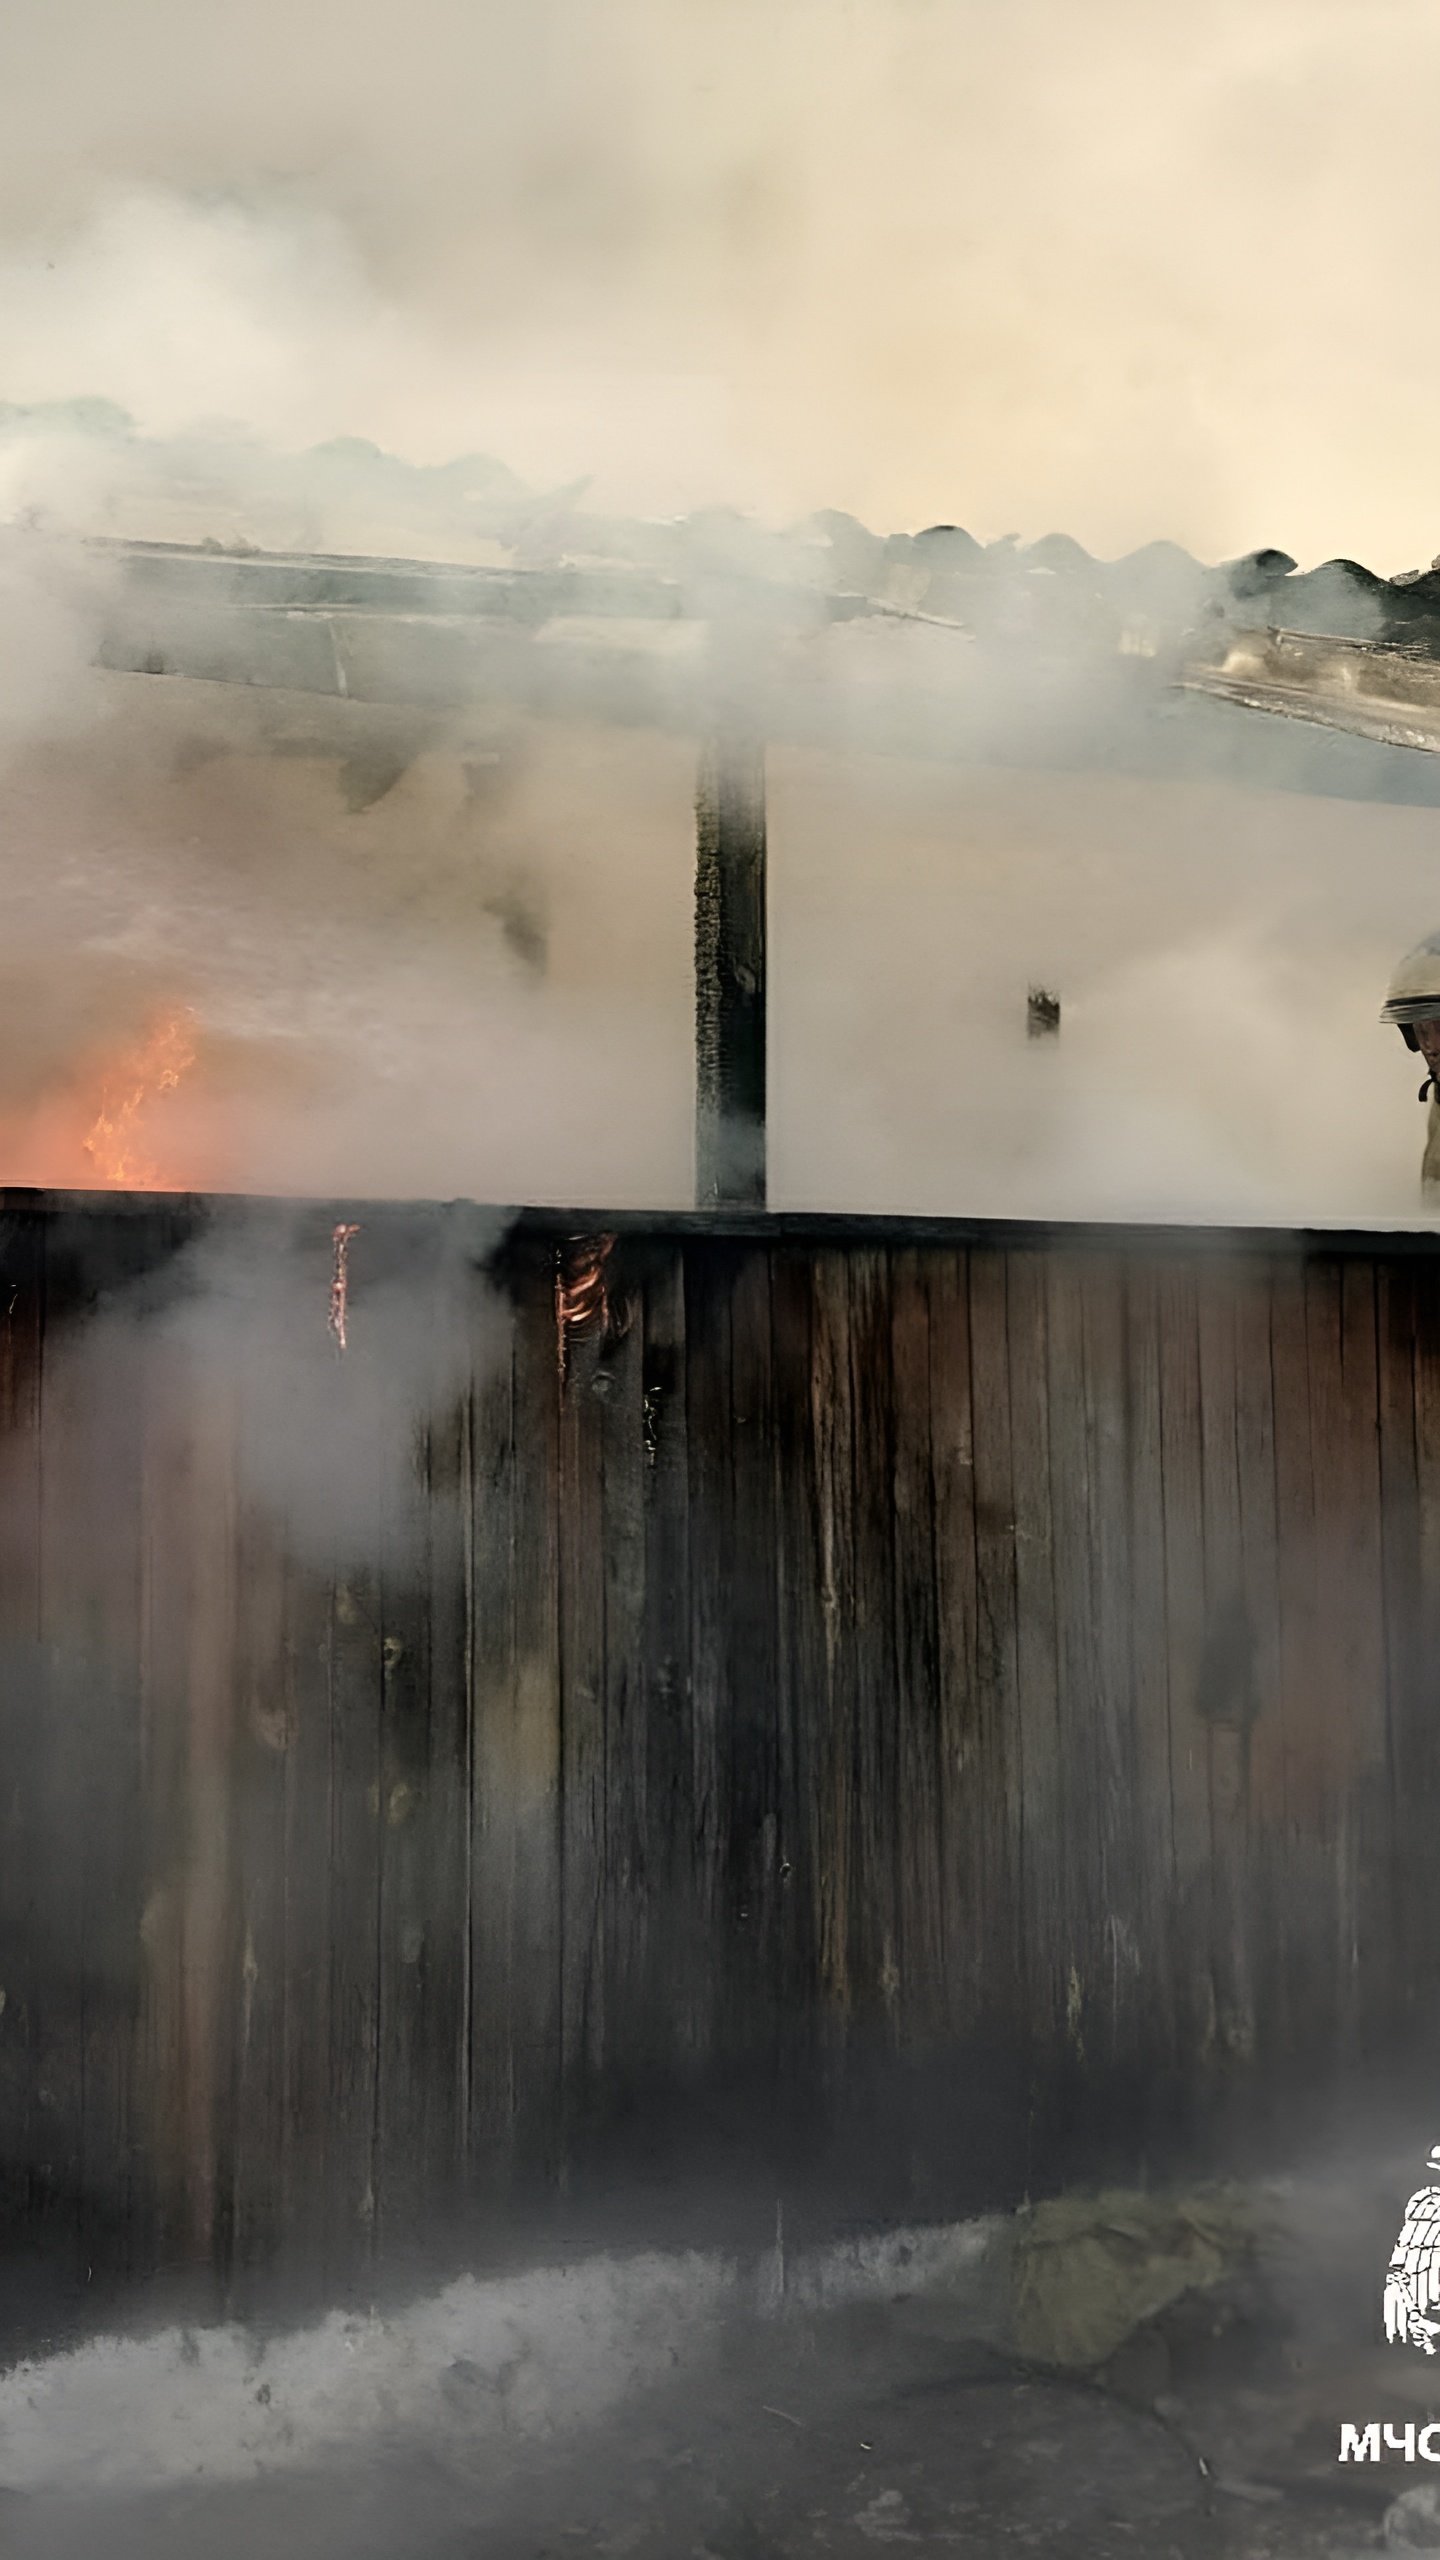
(1010, 267)
(1121, 270)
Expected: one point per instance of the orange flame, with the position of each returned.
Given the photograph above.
(153, 1067)
(582, 1290)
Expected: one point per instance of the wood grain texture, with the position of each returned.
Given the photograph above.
(978, 1691)
(24, 1932)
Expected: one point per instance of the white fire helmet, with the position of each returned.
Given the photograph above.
(1415, 990)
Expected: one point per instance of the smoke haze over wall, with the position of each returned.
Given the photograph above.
(1218, 951)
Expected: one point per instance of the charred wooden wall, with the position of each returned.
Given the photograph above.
(921, 1707)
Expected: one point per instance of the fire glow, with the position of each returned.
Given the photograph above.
(582, 1291)
(154, 1066)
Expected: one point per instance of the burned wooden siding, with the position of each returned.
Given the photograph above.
(931, 1706)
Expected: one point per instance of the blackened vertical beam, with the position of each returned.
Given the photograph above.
(730, 973)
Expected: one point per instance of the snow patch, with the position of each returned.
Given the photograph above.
(487, 2358)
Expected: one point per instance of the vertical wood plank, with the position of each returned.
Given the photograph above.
(753, 1898)
(1357, 1598)
(185, 2068)
(208, 1921)
(983, 1799)
(1413, 1759)
(81, 1846)
(1044, 1859)
(1349, 1675)
(626, 1918)
(66, 1739)
(1177, 1315)
(501, 1783)
(1155, 1918)
(679, 1968)
(1225, 1692)
(918, 1741)
(22, 1692)
(539, 1905)
(411, 1786)
(840, 1929)
(878, 1824)
(1264, 1761)
(355, 1709)
(465, 1311)
(258, 1980)
(958, 1637)
(425, 1765)
(1112, 1769)
(1426, 1381)
(160, 2057)
(1085, 1776)
(308, 1830)
(800, 1654)
(1308, 1974)
(708, 1398)
(582, 1734)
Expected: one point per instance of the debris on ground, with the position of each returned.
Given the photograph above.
(1089, 2271)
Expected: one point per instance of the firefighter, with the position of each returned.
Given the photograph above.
(1413, 1004)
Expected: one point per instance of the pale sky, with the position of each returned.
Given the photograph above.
(1121, 268)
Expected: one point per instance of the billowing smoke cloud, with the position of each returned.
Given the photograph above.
(1008, 267)
(476, 985)
(1220, 953)
(227, 1363)
(1118, 270)
(449, 954)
